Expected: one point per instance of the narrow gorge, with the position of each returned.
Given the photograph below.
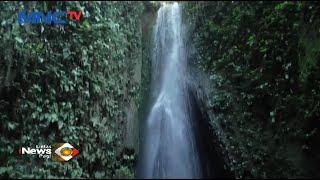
(162, 89)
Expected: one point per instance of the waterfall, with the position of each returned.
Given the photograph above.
(169, 148)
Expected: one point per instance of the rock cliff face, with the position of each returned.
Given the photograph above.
(247, 71)
(79, 83)
(253, 75)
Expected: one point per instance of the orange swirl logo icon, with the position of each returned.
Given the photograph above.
(64, 151)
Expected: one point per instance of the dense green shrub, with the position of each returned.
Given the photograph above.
(68, 84)
(264, 60)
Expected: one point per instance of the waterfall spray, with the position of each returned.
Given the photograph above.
(169, 148)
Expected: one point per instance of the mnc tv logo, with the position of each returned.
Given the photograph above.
(55, 18)
(60, 151)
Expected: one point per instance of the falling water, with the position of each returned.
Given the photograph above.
(169, 148)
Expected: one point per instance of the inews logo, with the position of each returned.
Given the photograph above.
(61, 151)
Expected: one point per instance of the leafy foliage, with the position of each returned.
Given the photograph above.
(68, 84)
(263, 58)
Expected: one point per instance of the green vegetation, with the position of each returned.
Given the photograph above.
(75, 83)
(263, 58)
(68, 84)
